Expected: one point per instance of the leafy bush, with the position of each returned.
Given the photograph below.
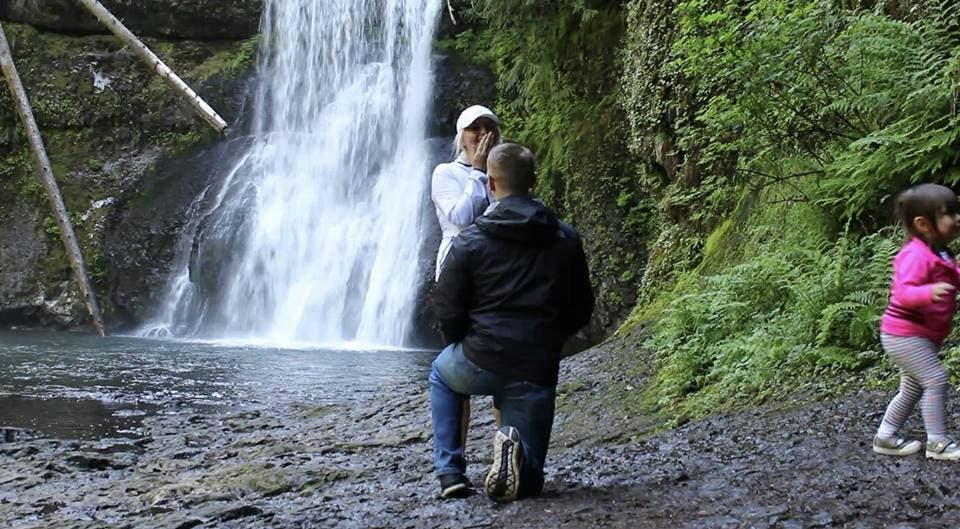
(750, 95)
(907, 78)
(799, 309)
(811, 115)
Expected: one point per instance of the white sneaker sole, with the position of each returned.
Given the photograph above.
(453, 490)
(952, 456)
(503, 481)
(908, 449)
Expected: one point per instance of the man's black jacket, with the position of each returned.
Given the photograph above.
(513, 289)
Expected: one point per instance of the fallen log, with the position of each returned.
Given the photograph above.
(450, 10)
(154, 62)
(45, 173)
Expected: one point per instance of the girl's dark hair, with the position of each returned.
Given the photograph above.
(927, 201)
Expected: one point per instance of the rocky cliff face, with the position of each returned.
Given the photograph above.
(171, 19)
(123, 146)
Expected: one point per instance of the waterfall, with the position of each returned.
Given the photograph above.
(314, 234)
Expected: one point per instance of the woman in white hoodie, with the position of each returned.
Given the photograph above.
(459, 188)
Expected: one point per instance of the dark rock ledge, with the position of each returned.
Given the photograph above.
(171, 19)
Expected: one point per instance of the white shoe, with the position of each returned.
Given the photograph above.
(947, 449)
(503, 480)
(897, 446)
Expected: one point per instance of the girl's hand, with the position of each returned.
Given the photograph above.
(940, 291)
(479, 161)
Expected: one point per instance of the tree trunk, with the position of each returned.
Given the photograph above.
(154, 62)
(45, 173)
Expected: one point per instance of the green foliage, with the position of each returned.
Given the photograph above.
(751, 94)
(558, 68)
(94, 164)
(245, 58)
(798, 91)
(800, 310)
(52, 229)
(184, 142)
(229, 60)
(908, 91)
(774, 132)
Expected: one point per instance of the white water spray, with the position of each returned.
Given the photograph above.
(314, 236)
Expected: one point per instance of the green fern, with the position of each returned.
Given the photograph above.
(799, 307)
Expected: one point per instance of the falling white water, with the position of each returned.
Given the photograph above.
(314, 235)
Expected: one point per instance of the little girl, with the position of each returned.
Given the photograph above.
(918, 318)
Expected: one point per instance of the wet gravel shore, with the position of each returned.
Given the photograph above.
(790, 465)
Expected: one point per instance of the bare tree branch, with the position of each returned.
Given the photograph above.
(46, 176)
(450, 10)
(154, 62)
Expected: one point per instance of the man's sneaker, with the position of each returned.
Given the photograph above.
(895, 446)
(454, 486)
(946, 449)
(503, 480)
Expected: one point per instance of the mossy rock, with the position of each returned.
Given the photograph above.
(113, 132)
(175, 19)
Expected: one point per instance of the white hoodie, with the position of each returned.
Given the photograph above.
(460, 195)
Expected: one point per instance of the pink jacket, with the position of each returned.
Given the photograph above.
(910, 311)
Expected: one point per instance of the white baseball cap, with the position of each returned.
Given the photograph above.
(471, 114)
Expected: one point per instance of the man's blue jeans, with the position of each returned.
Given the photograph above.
(527, 407)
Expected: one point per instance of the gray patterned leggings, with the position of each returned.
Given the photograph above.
(922, 378)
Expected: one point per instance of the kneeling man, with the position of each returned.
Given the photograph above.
(513, 289)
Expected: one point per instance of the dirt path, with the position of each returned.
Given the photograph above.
(369, 466)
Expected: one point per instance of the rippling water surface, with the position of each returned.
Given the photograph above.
(80, 386)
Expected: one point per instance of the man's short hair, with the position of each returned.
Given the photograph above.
(513, 167)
